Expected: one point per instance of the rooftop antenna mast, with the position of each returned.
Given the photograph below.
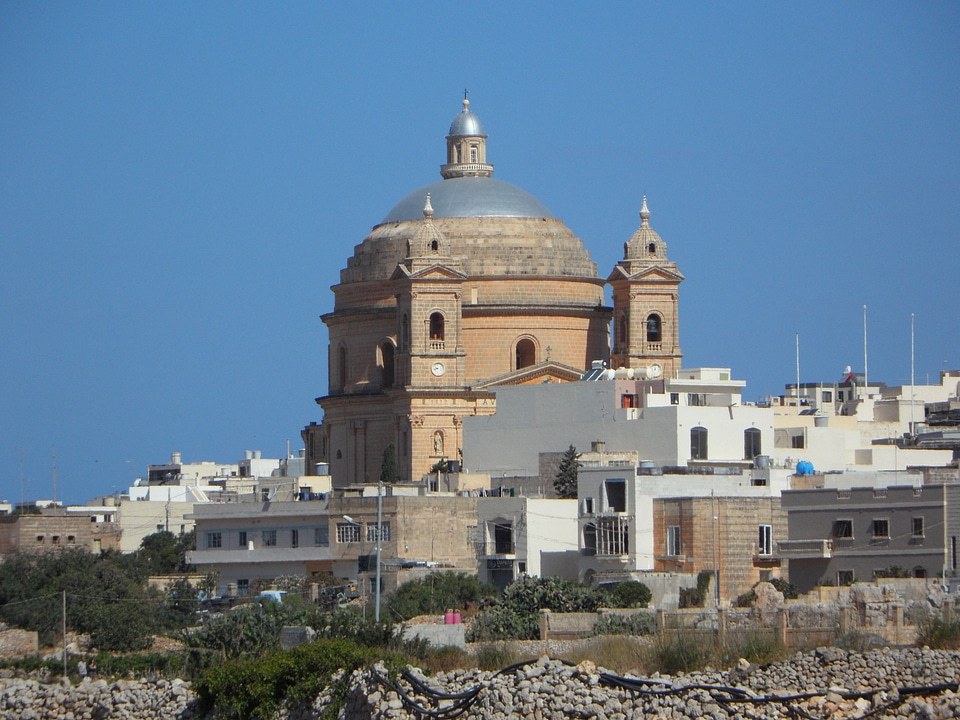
(798, 373)
(911, 373)
(21, 451)
(53, 453)
(864, 351)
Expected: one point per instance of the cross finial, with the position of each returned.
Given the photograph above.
(465, 93)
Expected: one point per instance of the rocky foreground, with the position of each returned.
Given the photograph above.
(834, 683)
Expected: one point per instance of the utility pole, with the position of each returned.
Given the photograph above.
(65, 633)
(379, 543)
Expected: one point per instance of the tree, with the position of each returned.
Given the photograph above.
(389, 468)
(565, 482)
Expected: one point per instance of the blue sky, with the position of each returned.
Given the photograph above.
(180, 184)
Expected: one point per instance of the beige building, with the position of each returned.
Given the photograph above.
(735, 536)
(92, 529)
(247, 543)
(467, 285)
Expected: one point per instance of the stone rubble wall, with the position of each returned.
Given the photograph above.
(549, 689)
(840, 684)
(25, 699)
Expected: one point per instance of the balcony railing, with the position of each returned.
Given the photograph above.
(436, 344)
(491, 549)
(805, 549)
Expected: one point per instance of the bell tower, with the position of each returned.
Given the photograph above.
(429, 315)
(646, 292)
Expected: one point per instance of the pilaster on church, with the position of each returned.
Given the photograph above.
(646, 294)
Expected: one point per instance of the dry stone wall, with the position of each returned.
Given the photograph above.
(830, 682)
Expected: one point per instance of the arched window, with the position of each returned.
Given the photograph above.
(342, 368)
(652, 249)
(623, 334)
(590, 539)
(436, 331)
(526, 352)
(386, 365)
(436, 326)
(698, 443)
(473, 153)
(751, 443)
(653, 328)
(434, 247)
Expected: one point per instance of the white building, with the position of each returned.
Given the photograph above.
(616, 509)
(245, 541)
(526, 536)
(695, 418)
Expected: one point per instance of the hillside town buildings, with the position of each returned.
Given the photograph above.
(471, 338)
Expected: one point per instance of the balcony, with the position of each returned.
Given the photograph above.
(820, 549)
(436, 344)
(503, 549)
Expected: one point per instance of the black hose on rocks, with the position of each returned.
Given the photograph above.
(726, 695)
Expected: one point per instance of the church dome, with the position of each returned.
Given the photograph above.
(645, 243)
(466, 123)
(491, 226)
(463, 197)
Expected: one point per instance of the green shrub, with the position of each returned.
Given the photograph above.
(253, 688)
(435, 593)
(696, 597)
(788, 589)
(504, 623)
(495, 656)
(139, 665)
(939, 634)
(757, 647)
(682, 652)
(517, 616)
(629, 594)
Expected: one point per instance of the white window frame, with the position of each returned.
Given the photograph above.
(674, 541)
(348, 532)
(384, 531)
(765, 540)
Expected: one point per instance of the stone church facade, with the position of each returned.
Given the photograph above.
(468, 284)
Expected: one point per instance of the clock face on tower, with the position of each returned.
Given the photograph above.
(437, 369)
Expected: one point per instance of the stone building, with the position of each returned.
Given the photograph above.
(76, 528)
(734, 536)
(467, 285)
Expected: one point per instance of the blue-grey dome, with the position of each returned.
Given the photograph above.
(469, 197)
(466, 123)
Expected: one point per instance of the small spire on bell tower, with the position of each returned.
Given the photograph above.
(645, 213)
(427, 207)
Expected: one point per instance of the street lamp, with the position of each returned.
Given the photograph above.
(351, 521)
